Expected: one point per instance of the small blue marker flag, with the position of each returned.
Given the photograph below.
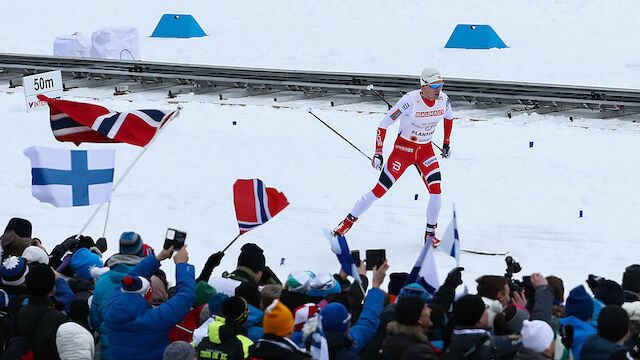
(341, 249)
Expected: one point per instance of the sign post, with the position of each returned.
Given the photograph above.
(49, 84)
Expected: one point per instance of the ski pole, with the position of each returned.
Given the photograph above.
(337, 133)
(370, 88)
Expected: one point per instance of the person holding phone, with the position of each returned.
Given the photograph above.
(418, 113)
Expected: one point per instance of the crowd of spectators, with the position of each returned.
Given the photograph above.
(70, 302)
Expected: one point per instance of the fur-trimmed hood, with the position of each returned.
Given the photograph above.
(414, 331)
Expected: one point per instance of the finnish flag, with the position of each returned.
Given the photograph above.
(424, 270)
(67, 178)
(450, 242)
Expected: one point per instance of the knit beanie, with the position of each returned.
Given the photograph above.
(537, 335)
(251, 256)
(335, 318)
(515, 322)
(137, 285)
(278, 319)
(235, 309)
(215, 303)
(409, 309)
(300, 281)
(13, 271)
(613, 323)
(579, 304)
(179, 350)
(609, 292)
(131, 243)
(631, 278)
(22, 227)
(74, 342)
(415, 289)
(396, 282)
(249, 291)
(203, 292)
(468, 310)
(302, 314)
(40, 280)
(83, 261)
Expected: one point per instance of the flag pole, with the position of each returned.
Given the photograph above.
(104, 231)
(231, 243)
(126, 172)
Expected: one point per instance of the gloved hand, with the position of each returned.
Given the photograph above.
(593, 281)
(446, 151)
(101, 244)
(377, 161)
(455, 276)
(214, 259)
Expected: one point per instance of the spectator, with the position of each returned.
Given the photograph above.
(276, 343)
(83, 261)
(613, 330)
(579, 308)
(609, 292)
(14, 244)
(249, 291)
(296, 290)
(74, 342)
(406, 336)
(494, 291)
(537, 341)
(38, 321)
(129, 315)
(179, 350)
(13, 272)
(226, 334)
(631, 279)
(22, 227)
(558, 301)
(34, 254)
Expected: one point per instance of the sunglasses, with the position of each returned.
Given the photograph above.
(436, 86)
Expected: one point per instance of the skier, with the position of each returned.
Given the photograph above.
(418, 112)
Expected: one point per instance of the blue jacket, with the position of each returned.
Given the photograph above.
(367, 325)
(598, 348)
(254, 324)
(581, 331)
(138, 331)
(63, 293)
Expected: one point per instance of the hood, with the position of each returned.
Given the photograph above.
(255, 316)
(415, 331)
(126, 259)
(227, 329)
(125, 307)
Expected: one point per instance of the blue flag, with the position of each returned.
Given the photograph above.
(450, 242)
(424, 270)
(341, 249)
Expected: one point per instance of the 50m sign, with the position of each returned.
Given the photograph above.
(49, 84)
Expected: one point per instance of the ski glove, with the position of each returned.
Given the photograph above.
(377, 161)
(455, 276)
(446, 151)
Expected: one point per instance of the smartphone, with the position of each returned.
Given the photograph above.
(176, 238)
(356, 257)
(375, 257)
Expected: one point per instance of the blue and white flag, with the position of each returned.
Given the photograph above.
(341, 249)
(424, 270)
(66, 178)
(450, 241)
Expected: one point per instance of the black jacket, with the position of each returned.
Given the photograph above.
(405, 342)
(224, 339)
(479, 344)
(340, 347)
(38, 322)
(274, 347)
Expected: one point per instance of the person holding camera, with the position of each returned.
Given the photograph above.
(418, 113)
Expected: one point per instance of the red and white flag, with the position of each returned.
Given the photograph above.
(81, 122)
(256, 204)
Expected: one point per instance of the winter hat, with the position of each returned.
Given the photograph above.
(96, 272)
(249, 291)
(323, 282)
(300, 281)
(146, 250)
(251, 256)
(159, 294)
(396, 282)
(74, 342)
(609, 292)
(215, 303)
(14, 245)
(203, 292)
(631, 278)
(429, 76)
(278, 319)
(630, 296)
(335, 318)
(137, 285)
(14, 271)
(22, 227)
(35, 254)
(304, 313)
(516, 321)
(179, 350)
(83, 261)
(537, 335)
(579, 304)
(40, 280)
(415, 289)
(409, 309)
(235, 309)
(613, 323)
(131, 243)
(468, 310)
(633, 310)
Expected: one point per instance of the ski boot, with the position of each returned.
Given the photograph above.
(344, 226)
(430, 235)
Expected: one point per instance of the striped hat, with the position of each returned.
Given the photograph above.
(131, 243)
(137, 285)
(300, 281)
(14, 271)
(304, 313)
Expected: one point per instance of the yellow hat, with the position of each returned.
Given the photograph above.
(278, 319)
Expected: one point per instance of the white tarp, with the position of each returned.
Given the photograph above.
(74, 45)
(119, 43)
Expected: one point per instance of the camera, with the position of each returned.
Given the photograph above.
(174, 238)
(513, 267)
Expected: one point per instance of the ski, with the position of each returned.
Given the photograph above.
(485, 252)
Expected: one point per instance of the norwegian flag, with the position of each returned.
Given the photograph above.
(256, 204)
(81, 122)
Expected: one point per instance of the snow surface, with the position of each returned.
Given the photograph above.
(507, 196)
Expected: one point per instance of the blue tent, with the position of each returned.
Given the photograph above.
(466, 36)
(178, 26)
